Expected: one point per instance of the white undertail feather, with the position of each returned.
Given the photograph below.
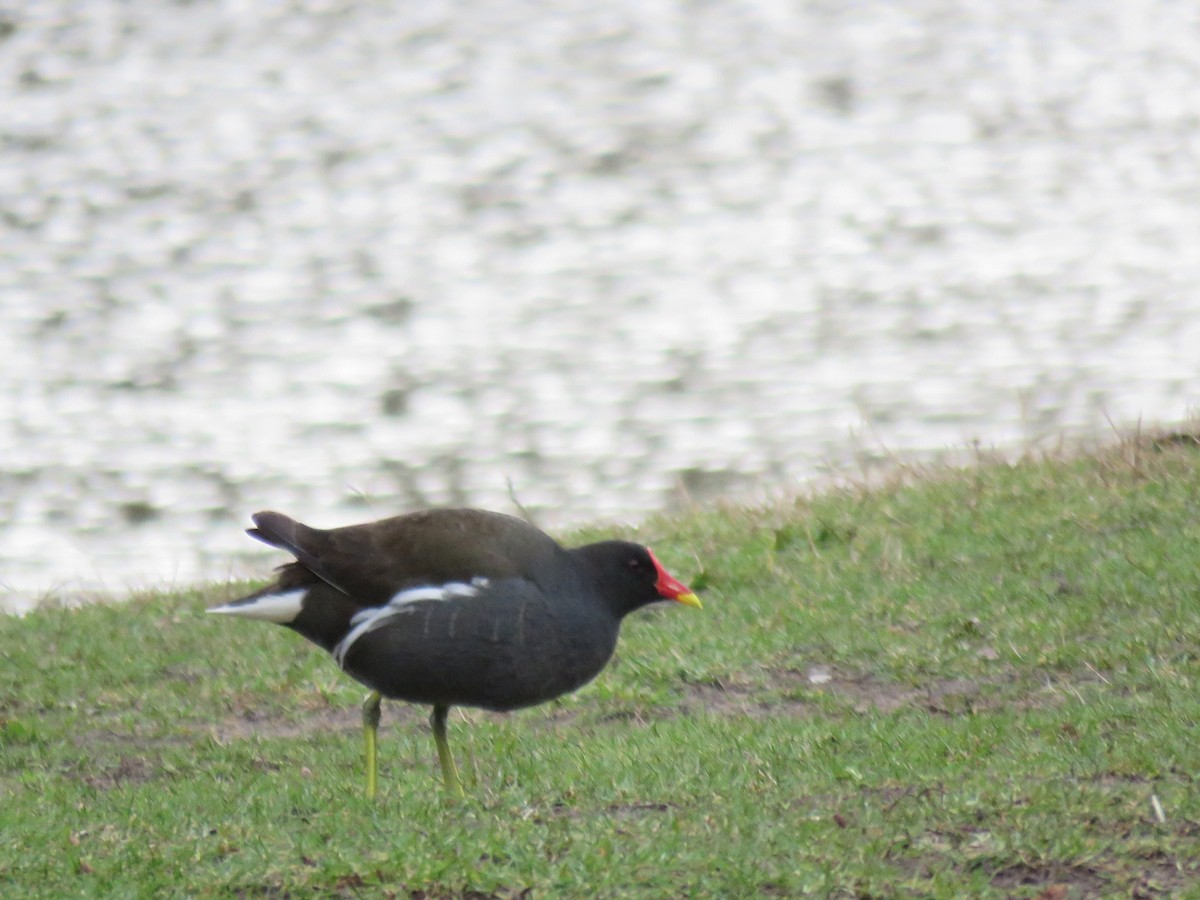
(402, 602)
(279, 608)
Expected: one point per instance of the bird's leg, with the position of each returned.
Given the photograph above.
(449, 771)
(370, 714)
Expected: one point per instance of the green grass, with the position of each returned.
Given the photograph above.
(1012, 654)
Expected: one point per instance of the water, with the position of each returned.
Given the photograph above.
(344, 259)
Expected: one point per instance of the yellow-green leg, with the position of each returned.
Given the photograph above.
(449, 771)
(370, 714)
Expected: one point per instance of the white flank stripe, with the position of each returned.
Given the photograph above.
(402, 602)
(366, 620)
(279, 608)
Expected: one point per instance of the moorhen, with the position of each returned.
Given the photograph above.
(454, 607)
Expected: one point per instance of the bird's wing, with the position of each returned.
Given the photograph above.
(374, 562)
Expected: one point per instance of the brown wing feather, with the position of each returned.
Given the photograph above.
(372, 562)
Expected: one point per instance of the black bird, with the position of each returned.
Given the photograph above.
(455, 607)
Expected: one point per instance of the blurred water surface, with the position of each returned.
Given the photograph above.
(344, 259)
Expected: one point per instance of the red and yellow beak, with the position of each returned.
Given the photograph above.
(671, 588)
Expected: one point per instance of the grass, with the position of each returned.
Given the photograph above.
(974, 682)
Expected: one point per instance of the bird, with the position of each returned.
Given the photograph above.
(454, 607)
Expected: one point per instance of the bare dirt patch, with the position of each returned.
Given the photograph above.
(1160, 875)
(127, 770)
(1167, 877)
(948, 696)
(791, 691)
(731, 698)
(1056, 880)
(256, 724)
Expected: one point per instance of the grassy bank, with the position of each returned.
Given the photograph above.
(975, 682)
